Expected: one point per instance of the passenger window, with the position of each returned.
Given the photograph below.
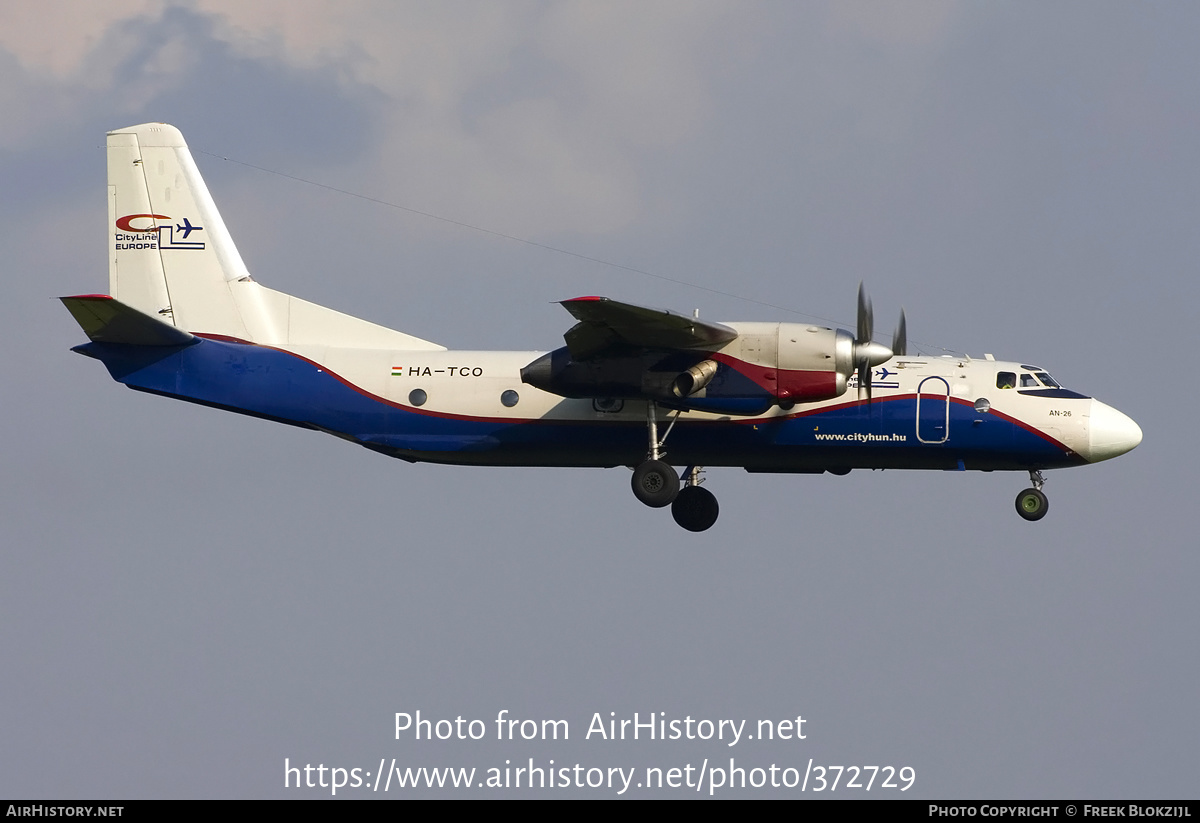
(1006, 380)
(1027, 382)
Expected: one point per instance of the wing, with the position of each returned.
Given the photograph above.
(618, 350)
(607, 328)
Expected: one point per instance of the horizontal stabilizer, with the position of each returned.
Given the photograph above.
(107, 320)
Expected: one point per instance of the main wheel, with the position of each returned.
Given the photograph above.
(1032, 504)
(655, 483)
(695, 508)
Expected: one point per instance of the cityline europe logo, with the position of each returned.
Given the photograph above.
(131, 236)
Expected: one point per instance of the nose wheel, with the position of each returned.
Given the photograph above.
(1032, 504)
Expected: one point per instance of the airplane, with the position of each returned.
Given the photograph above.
(187, 321)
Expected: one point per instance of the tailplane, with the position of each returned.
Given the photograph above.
(105, 319)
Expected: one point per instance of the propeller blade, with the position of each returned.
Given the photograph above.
(866, 316)
(900, 338)
(864, 378)
(867, 353)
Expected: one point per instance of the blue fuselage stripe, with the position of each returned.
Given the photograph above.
(279, 385)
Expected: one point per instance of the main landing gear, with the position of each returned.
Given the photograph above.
(656, 483)
(1032, 504)
(695, 508)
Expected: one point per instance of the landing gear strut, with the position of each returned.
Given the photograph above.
(656, 484)
(1032, 504)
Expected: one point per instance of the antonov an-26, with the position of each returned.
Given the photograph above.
(637, 387)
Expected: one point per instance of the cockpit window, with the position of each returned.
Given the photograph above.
(1048, 380)
(1028, 382)
(1006, 380)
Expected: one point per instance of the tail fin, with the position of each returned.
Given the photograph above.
(172, 257)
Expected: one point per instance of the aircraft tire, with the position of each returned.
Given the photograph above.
(695, 508)
(1032, 504)
(655, 483)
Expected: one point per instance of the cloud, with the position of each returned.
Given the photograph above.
(58, 39)
(539, 113)
(531, 118)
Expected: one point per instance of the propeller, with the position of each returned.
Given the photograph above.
(868, 353)
(900, 338)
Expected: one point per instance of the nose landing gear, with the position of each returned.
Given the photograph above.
(1032, 504)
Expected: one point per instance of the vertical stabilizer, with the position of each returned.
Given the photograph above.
(171, 255)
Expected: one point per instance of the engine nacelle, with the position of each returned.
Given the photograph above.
(766, 364)
(795, 362)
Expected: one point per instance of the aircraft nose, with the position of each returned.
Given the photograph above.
(1110, 433)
